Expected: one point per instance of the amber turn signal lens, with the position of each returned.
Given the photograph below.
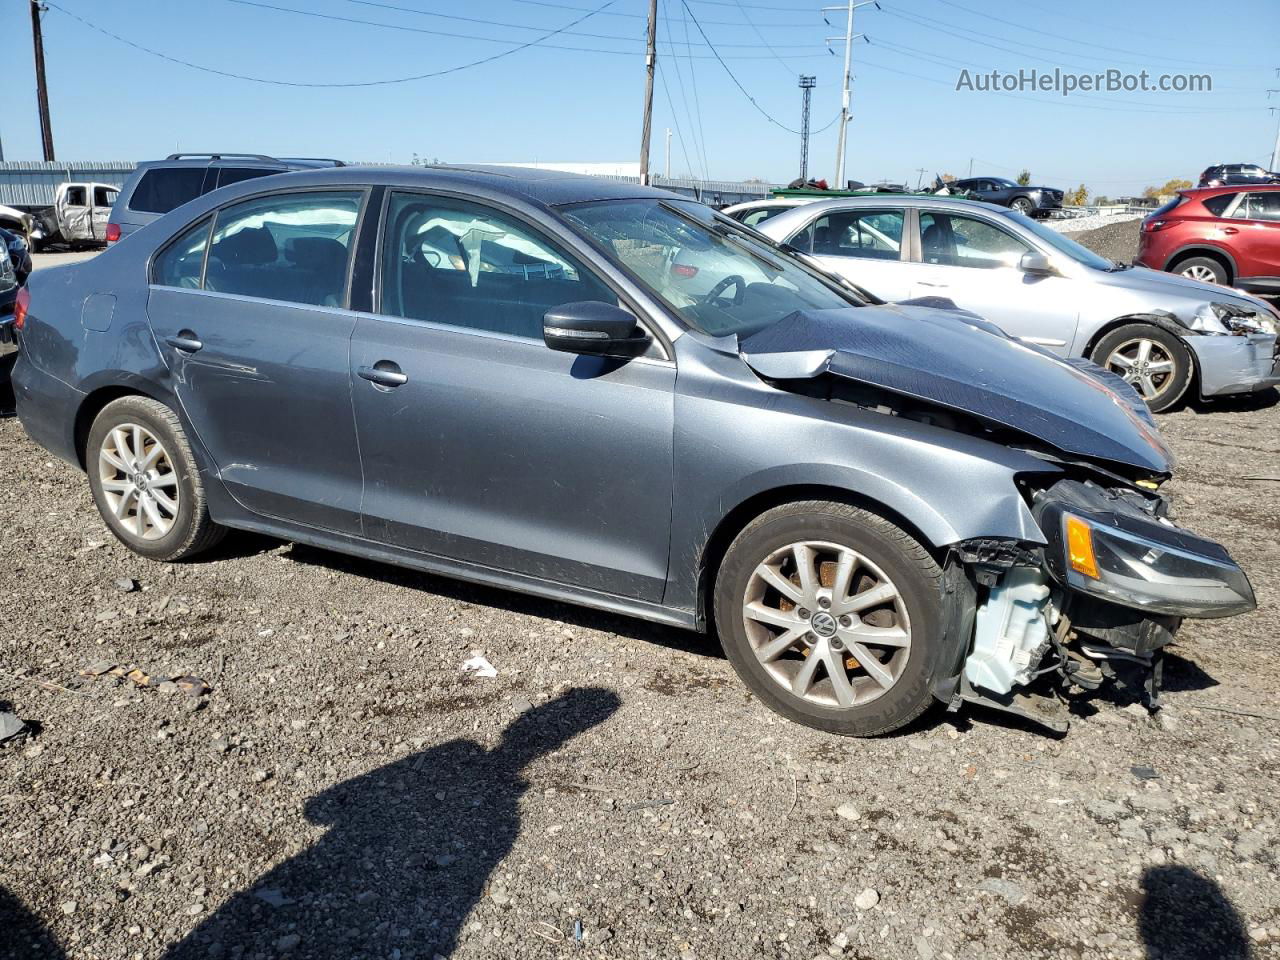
(1080, 547)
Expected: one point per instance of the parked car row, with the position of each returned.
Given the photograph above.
(609, 394)
(15, 267)
(1164, 334)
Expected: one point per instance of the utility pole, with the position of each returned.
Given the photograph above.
(666, 167)
(920, 179)
(42, 92)
(650, 61)
(849, 37)
(1275, 151)
(806, 90)
(971, 167)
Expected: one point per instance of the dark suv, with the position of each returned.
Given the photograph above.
(1027, 200)
(1233, 174)
(158, 186)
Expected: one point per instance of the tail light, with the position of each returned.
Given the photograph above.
(1151, 226)
(20, 308)
(113, 232)
(683, 270)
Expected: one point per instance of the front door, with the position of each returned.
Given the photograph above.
(974, 263)
(864, 245)
(1258, 234)
(257, 337)
(481, 444)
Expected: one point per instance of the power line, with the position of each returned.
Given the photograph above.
(362, 83)
(785, 66)
(697, 100)
(551, 4)
(1084, 43)
(676, 118)
(764, 113)
(699, 154)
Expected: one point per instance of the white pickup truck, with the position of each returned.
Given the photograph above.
(78, 216)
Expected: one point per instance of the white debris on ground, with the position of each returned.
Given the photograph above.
(1080, 224)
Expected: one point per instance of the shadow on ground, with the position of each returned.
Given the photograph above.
(408, 853)
(1186, 916)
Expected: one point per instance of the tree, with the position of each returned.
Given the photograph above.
(1077, 197)
(948, 178)
(1168, 190)
(1101, 200)
(1024, 178)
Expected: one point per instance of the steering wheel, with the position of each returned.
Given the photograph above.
(733, 280)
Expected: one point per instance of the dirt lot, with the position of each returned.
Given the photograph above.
(347, 791)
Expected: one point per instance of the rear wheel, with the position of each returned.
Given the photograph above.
(1154, 361)
(145, 481)
(1204, 269)
(831, 615)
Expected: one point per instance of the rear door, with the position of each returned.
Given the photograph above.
(864, 244)
(1256, 243)
(480, 443)
(973, 262)
(250, 308)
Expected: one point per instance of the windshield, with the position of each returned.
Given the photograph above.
(719, 278)
(1063, 244)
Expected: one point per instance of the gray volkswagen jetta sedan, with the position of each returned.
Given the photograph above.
(506, 376)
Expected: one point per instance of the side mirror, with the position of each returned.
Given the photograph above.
(1035, 262)
(593, 327)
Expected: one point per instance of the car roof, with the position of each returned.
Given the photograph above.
(1197, 192)
(802, 214)
(546, 188)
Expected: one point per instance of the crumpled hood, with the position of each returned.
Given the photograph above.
(957, 361)
(1159, 282)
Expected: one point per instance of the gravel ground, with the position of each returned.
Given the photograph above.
(346, 790)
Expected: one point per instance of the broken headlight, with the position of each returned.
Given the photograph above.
(1232, 319)
(1102, 544)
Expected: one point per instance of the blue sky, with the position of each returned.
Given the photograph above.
(111, 101)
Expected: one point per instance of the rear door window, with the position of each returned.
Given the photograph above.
(290, 247)
(867, 234)
(104, 196)
(1259, 206)
(166, 188)
(181, 262)
(957, 241)
(230, 175)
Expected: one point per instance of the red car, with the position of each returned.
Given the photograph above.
(1228, 235)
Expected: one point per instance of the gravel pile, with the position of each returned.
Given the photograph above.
(1116, 241)
(1080, 224)
(346, 790)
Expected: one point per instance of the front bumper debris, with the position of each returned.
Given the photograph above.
(1236, 364)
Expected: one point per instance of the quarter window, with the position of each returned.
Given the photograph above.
(292, 247)
(103, 196)
(180, 263)
(166, 188)
(951, 240)
(465, 265)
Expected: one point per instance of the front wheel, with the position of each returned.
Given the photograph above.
(1154, 361)
(1023, 206)
(832, 616)
(145, 481)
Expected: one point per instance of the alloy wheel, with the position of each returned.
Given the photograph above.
(1146, 364)
(827, 624)
(1198, 271)
(138, 480)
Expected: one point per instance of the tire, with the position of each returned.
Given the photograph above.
(158, 511)
(1204, 269)
(1125, 343)
(885, 559)
(1023, 205)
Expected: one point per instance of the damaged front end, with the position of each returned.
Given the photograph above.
(1111, 585)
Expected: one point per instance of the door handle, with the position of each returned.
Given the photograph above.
(1230, 230)
(186, 341)
(384, 373)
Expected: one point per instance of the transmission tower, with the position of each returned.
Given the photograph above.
(806, 87)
